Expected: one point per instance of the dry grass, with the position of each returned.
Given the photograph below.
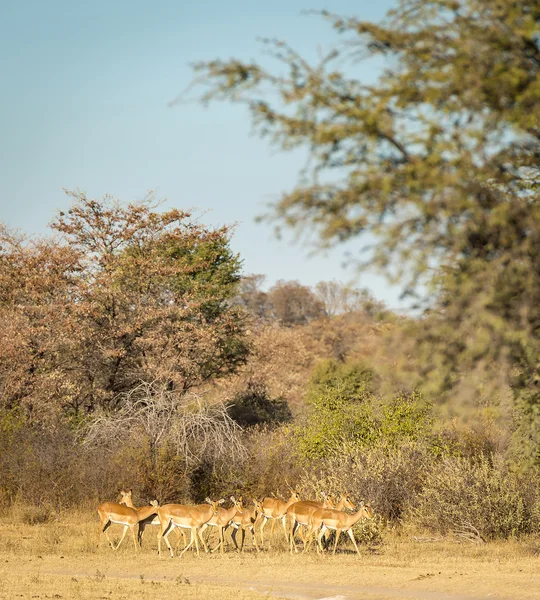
(67, 557)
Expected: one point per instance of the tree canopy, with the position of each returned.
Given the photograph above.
(437, 161)
(125, 294)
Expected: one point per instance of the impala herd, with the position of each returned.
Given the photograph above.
(317, 518)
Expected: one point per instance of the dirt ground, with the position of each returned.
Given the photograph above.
(69, 558)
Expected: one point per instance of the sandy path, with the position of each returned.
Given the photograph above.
(283, 589)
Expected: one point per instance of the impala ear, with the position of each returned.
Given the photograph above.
(233, 500)
(221, 501)
(207, 499)
(361, 504)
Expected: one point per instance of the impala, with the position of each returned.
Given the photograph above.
(246, 520)
(147, 514)
(273, 508)
(222, 519)
(186, 517)
(119, 513)
(299, 513)
(326, 518)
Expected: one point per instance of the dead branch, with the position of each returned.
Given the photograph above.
(467, 531)
(190, 424)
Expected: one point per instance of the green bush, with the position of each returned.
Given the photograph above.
(344, 409)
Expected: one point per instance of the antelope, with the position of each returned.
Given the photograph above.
(326, 518)
(119, 513)
(299, 513)
(186, 517)
(246, 520)
(344, 502)
(273, 508)
(222, 519)
(147, 515)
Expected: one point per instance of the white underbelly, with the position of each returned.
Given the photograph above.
(117, 522)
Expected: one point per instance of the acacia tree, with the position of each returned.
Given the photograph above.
(437, 160)
(126, 294)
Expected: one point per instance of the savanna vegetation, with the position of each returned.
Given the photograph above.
(135, 353)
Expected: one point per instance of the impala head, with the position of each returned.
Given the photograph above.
(295, 496)
(125, 497)
(328, 499)
(258, 504)
(238, 503)
(368, 512)
(214, 504)
(347, 502)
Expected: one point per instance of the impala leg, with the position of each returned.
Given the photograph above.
(272, 533)
(164, 532)
(106, 526)
(123, 536)
(192, 539)
(300, 531)
(284, 524)
(233, 537)
(142, 527)
(263, 525)
(254, 539)
(338, 533)
(194, 530)
(351, 535)
(201, 530)
(292, 530)
(243, 538)
(319, 538)
(135, 542)
(309, 537)
(221, 544)
(203, 543)
(180, 531)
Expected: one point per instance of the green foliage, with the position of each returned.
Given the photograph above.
(406, 416)
(253, 406)
(345, 410)
(438, 162)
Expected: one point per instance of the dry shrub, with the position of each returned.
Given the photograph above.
(37, 515)
(368, 532)
(483, 493)
(389, 477)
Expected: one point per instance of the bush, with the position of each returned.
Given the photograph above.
(389, 477)
(484, 493)
(254, 406)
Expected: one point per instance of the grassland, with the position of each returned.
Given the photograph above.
(67, 557)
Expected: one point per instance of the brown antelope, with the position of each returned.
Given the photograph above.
(186, 517)
(327, 518)
(246, 520)
(147, 515)
(344, 502)
(222, 520)
(121, 514)
(274, 508)
(299, 513)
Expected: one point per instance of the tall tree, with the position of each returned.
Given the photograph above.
(126, 294)
(438, 161)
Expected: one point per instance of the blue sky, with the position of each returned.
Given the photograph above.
(85, 93)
